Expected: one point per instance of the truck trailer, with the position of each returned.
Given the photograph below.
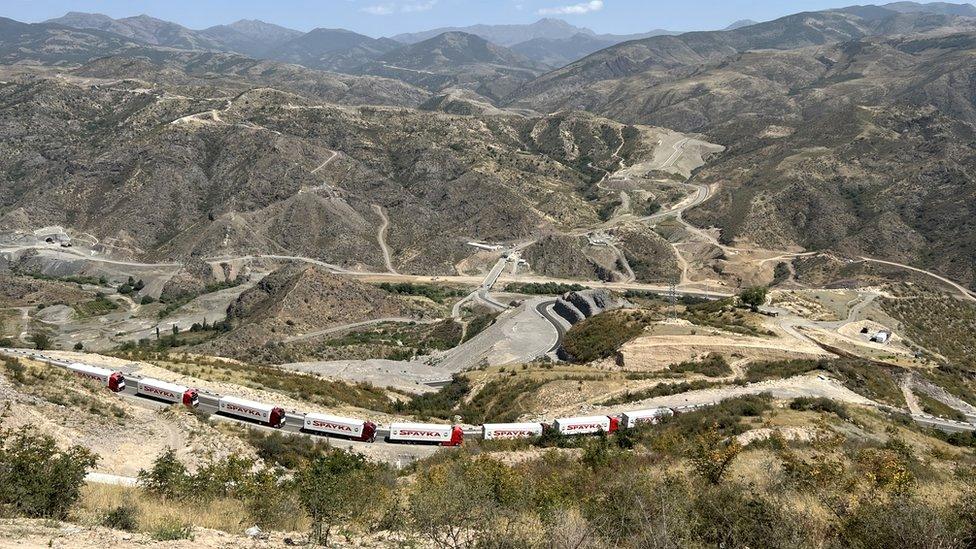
(445, 435)
(167, 392)
(644, 417)
(507, 431)
(115, 381)
(355, 429)
(586, 425)
(267, 414)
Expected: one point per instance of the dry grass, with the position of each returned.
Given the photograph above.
(152, 513)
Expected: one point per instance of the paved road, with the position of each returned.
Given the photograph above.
(545, 309)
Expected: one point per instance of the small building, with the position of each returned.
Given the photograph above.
(881, 337)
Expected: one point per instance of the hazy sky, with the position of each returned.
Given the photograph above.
(387, 17)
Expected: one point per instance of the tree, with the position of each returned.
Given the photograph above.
(754, 297)
(176, 329)
(470, 502)
(712, 456)
(41, 341)
(138, 286)
(79, 346)
(339, 487)
(36, 478)
(168, 477)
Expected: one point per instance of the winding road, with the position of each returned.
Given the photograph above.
(381, 238)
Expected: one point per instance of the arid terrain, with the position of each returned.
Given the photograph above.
(761, 236)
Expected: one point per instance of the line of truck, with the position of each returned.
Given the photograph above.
(357, 429)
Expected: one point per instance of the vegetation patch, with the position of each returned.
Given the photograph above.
(714, 365)
(96, 307)
(936, 408)
(659, 390)
(781, 369)
(543, 288)
(820, 404)
(433, 292)
(724, 315)
(478, 323)
(600, 336)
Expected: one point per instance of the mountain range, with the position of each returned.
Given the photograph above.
(849, 129)
(554, 42)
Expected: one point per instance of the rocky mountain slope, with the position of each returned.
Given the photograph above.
(141, 28)
(593, 79)
(250, 36)
(510, 35)
(332, 49)
(299, 300)
(187, 170)
(456, 59)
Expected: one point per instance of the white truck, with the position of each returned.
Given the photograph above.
(115, 381)
(508, 431)
(355, 429)
(644, 417)
(267, 414)
(445, 435)
(167, 392)
(586, 425)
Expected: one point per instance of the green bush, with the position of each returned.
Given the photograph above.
(37, 479)
(437, 294)
(172, 529)
(289, 451)
(543, 288)
(714, 365)
(122, 517)
(820, 404)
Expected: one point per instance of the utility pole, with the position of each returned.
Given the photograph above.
(673, 300)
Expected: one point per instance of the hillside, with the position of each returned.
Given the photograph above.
(864, 147)
(456, 59)
(664, 58)
(297, 300)
(331, 49)
(142, 28)
(250, 36)
(223, 172)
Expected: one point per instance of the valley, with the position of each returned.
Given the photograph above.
(455, 279)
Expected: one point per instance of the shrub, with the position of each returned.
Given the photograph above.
(286, 450)
(338, 488)
(167, 478)
(820, 404)
(36, 478)
(41, 341)
(714, 365)
(172, 529)
(122, 517)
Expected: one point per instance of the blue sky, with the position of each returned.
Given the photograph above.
(387, 17)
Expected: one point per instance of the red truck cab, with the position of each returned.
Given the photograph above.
(116, 382)
(369, 432)
(277, 417)
(457, 437)
(614, 424)
(191, 398)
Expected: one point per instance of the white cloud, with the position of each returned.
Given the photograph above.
(574, 9)
(379, 9)
(390, 8)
